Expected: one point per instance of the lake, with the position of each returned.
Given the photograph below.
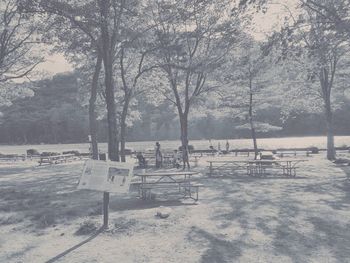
(266, 143)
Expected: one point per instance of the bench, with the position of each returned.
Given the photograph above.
(185, 189)
(12, 157)
(284, 153)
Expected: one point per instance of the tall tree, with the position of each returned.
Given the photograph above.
(193, 37)
(100, 20)
(309, 41)
(248, 87)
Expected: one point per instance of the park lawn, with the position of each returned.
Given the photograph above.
(238, 219)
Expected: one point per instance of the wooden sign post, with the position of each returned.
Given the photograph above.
(107, 177)
(105, 209)
(103, 157)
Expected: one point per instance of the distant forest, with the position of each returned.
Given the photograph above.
(55, 115)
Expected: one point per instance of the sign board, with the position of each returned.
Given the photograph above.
(112, 177)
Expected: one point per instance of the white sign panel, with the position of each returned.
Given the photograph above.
(113, 177)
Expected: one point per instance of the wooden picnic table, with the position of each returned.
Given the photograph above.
(288, 166)
(227, 164)
(257, 167)
(182, 180)
(51, 159)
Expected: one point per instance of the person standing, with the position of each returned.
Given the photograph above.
(159, 157)
(227, 146)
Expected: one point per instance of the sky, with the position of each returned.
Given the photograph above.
(54, 64)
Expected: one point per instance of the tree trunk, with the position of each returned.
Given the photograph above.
(113, 143)
(184, 139)
(256, 151)
(330, 133)
(123, 129)
(92, 108)
(251, 121)
(107, 48)
(326, 86)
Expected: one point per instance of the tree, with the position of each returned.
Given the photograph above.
(319, 50)
(18, 37)
(50, 115)
(335, 14)
(192, 39)
(90, 73)
(135, 62)
(100, 21)
(248, 87)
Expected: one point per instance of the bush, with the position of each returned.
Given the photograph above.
(313, 150)
(190, 148)
(76, 153)
(32, 152)
(49, 153)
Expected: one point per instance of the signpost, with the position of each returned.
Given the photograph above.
(107, 177)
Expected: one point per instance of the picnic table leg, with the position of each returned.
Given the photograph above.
(289, 169)
(143, 190)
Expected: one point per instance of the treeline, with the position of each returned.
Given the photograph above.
(55, 115)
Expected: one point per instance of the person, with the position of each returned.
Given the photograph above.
(141, 159)
(159, 157)
(185, 157)
(176, 160)
(227, 146)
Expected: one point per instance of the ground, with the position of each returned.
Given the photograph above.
(237, 219)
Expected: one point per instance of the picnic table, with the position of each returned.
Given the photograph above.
(51, 159)
(288, 167)
(227, 165)
(181, 181)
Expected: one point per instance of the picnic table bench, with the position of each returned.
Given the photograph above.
(12, 157)
(54, 159)
(286, 153)
(182, 182)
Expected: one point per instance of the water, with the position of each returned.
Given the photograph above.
(269, 143)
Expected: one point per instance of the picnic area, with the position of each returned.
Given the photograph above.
(238, 218)
(174, 131)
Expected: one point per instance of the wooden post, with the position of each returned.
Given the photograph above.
(105, 209)
(103, 157)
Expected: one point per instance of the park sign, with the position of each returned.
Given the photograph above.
(111, 177)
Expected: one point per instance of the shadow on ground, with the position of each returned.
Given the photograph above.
(50, 196)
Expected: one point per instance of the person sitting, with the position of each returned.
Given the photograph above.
(176, 163)
(141, 159)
